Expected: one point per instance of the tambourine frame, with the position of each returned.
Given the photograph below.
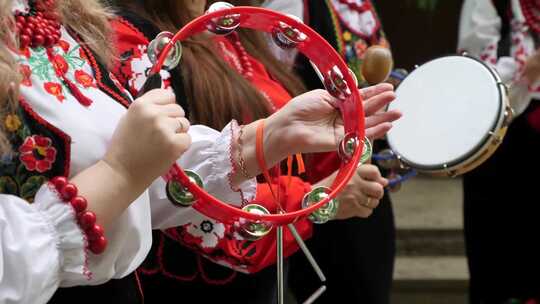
(325, 58)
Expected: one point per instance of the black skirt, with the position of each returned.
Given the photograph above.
(501, 219)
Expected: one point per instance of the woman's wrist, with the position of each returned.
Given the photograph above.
(108, 191)
(276, 143)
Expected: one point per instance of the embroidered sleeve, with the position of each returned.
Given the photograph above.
(133, 67)
(479, 36)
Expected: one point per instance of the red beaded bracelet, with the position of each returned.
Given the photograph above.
(86, 219)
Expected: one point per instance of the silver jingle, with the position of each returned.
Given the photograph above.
(347, 146)
(353, 75)
(389, 161)
(326, 212)
(397, 186)
(367, 152)
(254, 230)
(180, 195)
(336, 85)
(158, 44)
(225, 24)
(286, 36)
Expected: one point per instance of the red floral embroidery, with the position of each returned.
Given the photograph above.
(64, 45)
(360, 47)
(84, 79)
(82, 54)
(37, 154)
(60, 64)
(26, 72)
(55, 89)
(25, 52)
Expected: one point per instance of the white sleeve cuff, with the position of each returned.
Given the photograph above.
(70, 240)
(41, 247)
(210, 156)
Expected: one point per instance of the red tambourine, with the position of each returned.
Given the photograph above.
(222, 19)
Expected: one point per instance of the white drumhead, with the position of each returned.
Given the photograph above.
(449, 107)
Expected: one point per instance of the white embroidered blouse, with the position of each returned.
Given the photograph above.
(41, 245)
(479, 35)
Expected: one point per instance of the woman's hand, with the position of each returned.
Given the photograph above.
(361, 195)
(531, 71)
(312, 124)
(149, 138)
(379, 121)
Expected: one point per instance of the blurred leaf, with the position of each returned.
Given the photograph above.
(31, 186)
(8, 185)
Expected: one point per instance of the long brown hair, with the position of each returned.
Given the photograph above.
(215, 92)
(88, 18)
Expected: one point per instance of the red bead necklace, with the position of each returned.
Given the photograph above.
(246, 67)
(353, 5)
(38, 27)
(531, 12)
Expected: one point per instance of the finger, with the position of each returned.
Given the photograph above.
(372, 189)
(184, 125)
(378, 102)
(182, 142)
(172, 110)
(369, 172)
(379, 118)
(362, 211)
(371, 91)
(159, 97)
(368, 202)
(177, 125)
(378, 131)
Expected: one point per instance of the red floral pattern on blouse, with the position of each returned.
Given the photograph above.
(54, 89)
(60, 64)
(64, 45)
(37, 153)
(26, 73)
(85, 79)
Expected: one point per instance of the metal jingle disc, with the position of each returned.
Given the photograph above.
(336, 85)
(156, 46)
(254, 230)
(388, 159)
(225, 24)
(367, 151)
(337, 78)
(394, 186)
(286, 36)
(347, 146)
(353, 75)
(326, 212)
(180, 195)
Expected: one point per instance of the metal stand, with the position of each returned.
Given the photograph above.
(280, 287)
(310, 258)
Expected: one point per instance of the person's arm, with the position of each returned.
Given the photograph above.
(479, 35)
(41, 246)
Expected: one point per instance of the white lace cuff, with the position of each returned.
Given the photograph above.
(69, 238)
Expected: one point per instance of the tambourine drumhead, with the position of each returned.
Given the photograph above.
(451, 106)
